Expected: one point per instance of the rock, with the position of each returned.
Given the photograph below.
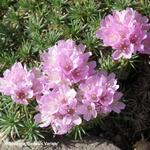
(71, 145)
(142, 145)
(2, 137)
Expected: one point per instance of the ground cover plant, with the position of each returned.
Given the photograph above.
(64, 50)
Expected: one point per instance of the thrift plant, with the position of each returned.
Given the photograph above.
(66, 66)
(66, 90)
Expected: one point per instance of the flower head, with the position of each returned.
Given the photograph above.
(58, 108)
(125, 32)
(100, 91)
(87, 109)
(17, 84)
(66, 62)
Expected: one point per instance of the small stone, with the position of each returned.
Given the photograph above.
(3, 136)
(142, 145)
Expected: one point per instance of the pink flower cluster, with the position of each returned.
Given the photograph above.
(22, 85)
(58, 109)
(66, 62)
(67, 87)
(17, 84)
(126, 32)
(99, 93)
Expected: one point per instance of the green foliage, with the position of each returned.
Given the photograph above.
(31, 131)
(10, 122)
(17, 121)
(78, 132)
(29, 27)
(145, 7)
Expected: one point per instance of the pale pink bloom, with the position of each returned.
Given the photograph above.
(125, 32)
(21, 94)
(87, 109)
(40, 83)
(117, 106)
(58, 108)
(101, 89)
(59, 127)
(146, 43)
(67, 62)
(17, 84)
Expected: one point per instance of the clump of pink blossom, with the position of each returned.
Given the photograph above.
(58, 109)
(17, 84)
(125, 32)
(100, 94)
(66, 87)
(65, 107)
(67, 62)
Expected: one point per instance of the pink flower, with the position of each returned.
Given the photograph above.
(124, 49)
(146, 43)
(59, 109)
(17, 84)
(59, 127)
(101, 89)
(125, 32)
(40, 83)
(87, 109)
(49, 65)
(117, 106)
(21, 94)
(66, 62)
